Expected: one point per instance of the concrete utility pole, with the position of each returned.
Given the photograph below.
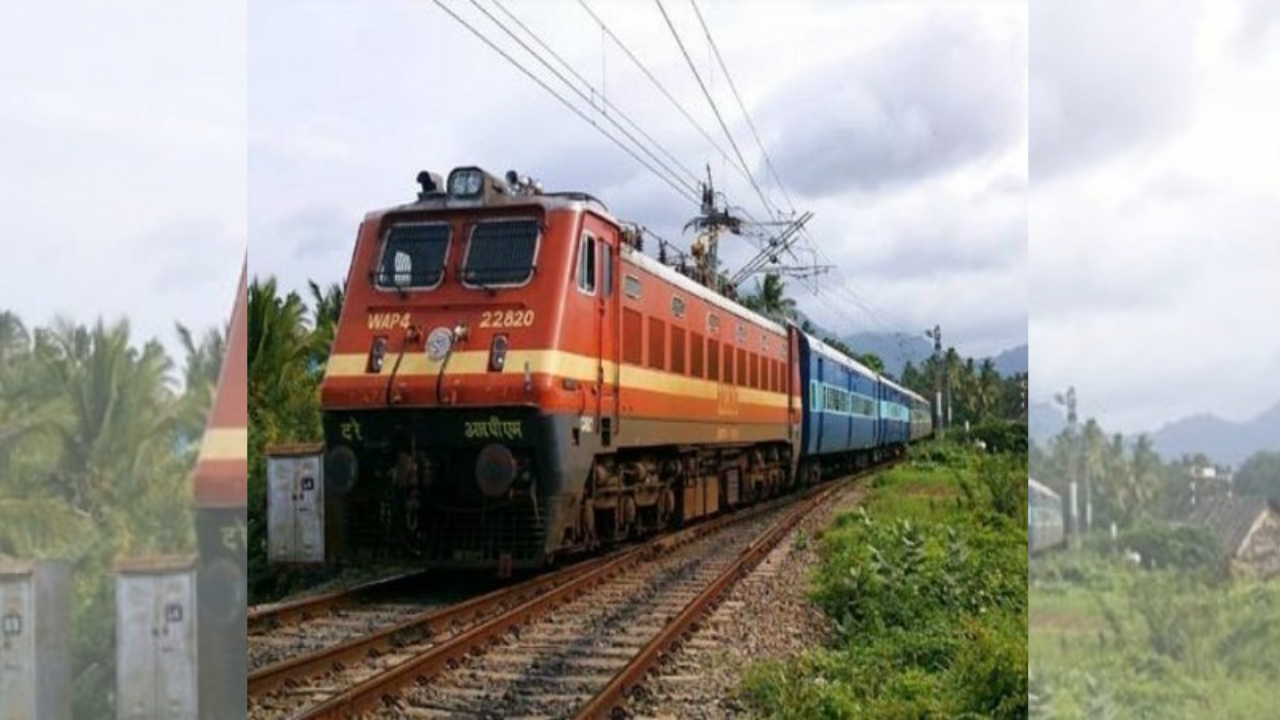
(1069, 400)
(940, 419)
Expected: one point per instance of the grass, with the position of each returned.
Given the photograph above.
(926, 585)
(1109, 640)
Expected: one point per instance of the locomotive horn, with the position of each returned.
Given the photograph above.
(432, 184)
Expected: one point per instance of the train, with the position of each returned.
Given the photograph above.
(1046, 529)
(220, 481)
(513, 380)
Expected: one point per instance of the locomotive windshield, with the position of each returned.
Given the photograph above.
(501, 253)
(413, 256)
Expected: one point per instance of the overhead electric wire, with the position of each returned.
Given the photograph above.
(742, 106)
(691, 187)
(715, 109)
(603, 98)
(671, 177)
(692, 196)
(743, 170)
(838, 289)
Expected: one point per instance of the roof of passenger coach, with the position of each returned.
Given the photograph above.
(831, 353)
(885, 379)
(1041, 488)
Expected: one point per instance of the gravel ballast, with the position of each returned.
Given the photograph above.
(767, 615)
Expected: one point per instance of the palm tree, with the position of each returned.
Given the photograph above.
(120, 408)
(770, 299)
(199, 378)
(282, 386)
(1143, 475)
(328, 310)
(987, 388)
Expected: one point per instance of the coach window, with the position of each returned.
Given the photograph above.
(632, 286)
(677, 306)
(587, 264)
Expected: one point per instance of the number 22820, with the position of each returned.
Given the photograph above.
(506, 318)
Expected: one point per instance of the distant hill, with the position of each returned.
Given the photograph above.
(897, 349)
(1012, 361)
(1222, 440)
(1044, 421)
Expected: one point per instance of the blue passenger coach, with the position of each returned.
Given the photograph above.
(851, 414)
(840, 402)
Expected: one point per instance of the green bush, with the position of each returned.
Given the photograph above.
(1002, 436)
(927, 591)
(1183, 547)
(991, 669)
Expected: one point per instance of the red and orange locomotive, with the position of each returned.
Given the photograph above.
(512, 379)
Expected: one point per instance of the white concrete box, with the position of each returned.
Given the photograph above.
(156, 639)
(35, 652)
(295, 504)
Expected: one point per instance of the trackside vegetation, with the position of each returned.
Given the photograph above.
(99, 431)
(1113, 640)
(1159, 622)
(926, 587)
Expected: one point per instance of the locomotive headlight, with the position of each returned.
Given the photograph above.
(466, 182)
(495, 470)
(377, 354)
(438, 343)
(498, 353)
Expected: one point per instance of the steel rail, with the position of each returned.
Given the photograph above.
(613, 696)
(427, 623)
(377, 688)
(262, 619)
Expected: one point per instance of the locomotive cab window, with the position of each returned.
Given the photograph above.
(501, 253)
(587, 264)
(413, 256)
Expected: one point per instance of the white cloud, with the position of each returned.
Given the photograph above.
(1153, 254)
(339, 129)
(123, 132)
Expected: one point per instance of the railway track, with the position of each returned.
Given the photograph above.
(569, 643)
(280, 631)
(265, 618)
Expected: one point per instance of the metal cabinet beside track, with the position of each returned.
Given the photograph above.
(295, 504)
(156, 643)
(35, 662)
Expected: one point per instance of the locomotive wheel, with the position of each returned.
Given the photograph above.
(588, 522)
(628, 524)
(666, 506)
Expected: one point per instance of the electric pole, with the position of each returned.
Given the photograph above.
(938, 371)
(1073, 456)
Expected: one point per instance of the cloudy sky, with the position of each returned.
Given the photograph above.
(1155, 202)
(122, 161)
(902, 126)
